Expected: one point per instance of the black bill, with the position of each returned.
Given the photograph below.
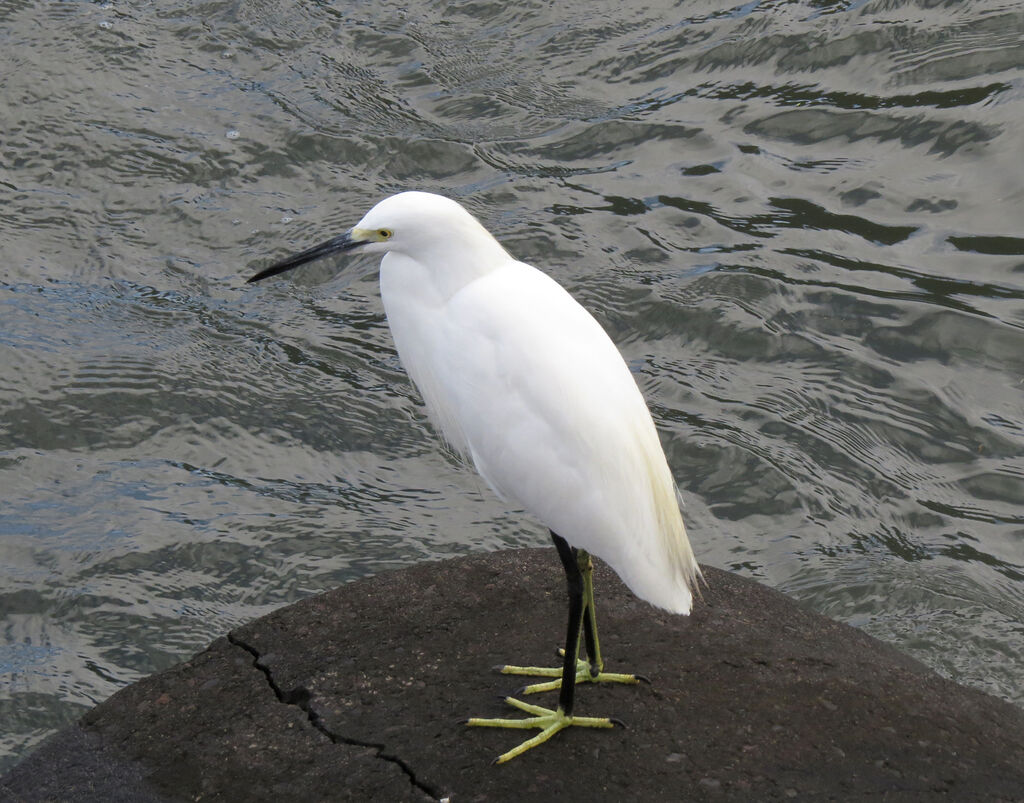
(343, 242)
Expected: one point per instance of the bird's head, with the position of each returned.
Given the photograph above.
(411, 223)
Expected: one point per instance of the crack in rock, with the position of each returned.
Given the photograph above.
(301, 697)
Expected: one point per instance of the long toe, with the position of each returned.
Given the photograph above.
(583, 675)
(548, 721)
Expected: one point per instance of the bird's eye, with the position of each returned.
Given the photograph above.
(385, 234)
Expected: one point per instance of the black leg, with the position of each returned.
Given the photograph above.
(578, 576)
(574, 581)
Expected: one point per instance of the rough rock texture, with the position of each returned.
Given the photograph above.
(356, 695)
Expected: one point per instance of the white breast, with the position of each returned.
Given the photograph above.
(525, 383)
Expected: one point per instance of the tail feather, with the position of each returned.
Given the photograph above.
(680, 571)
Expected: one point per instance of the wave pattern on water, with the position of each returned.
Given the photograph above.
(800, 221)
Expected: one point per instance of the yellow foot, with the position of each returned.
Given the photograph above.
(583, 675)
(547, 721)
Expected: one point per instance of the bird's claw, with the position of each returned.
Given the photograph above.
(548, 721)
(584, 674)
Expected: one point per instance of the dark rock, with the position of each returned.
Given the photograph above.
(357, 693)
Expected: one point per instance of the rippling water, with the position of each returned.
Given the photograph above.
(801, 221)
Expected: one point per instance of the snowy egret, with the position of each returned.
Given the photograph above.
(523, 382)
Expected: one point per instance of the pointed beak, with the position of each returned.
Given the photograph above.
(343, 242)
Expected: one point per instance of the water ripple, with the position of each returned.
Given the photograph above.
(799, 221)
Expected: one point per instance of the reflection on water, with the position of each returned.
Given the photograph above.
(800, 221)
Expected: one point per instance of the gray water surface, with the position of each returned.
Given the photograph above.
(800, 221)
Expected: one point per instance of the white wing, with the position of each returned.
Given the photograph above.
(521, 379)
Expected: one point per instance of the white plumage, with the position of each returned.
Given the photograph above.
(522, 380)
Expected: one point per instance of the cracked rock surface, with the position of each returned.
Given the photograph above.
(356, 695)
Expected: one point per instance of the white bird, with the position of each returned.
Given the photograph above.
(522, 381)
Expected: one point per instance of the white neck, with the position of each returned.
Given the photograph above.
(439, 270)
